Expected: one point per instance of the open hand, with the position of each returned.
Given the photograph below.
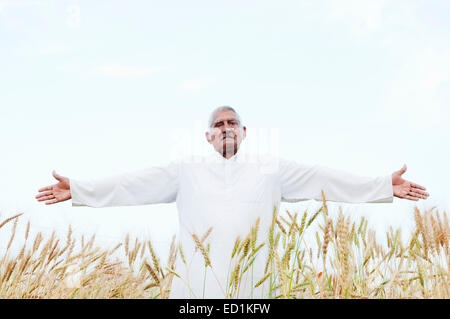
(55, 193)
(406, 189)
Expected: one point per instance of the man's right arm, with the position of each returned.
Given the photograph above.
(147, 186)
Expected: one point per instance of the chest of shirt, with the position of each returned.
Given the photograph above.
(237, 181)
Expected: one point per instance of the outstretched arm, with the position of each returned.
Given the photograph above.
(406, 189)
(56, 193)
(147, 186)
(302, 182)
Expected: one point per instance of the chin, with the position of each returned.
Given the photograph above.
(230, 147)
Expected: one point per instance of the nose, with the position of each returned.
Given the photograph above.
(228, 130)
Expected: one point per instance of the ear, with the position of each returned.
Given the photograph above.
(208, 138)
(245, 132)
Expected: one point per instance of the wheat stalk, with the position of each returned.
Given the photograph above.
(202, 250)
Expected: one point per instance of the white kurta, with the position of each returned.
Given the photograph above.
(228, 195)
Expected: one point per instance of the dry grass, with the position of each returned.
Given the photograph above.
(347, 262)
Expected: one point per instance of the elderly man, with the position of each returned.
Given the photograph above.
(227, 191)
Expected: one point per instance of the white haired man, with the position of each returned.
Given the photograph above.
(227, 191)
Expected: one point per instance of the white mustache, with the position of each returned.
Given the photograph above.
(228, 135)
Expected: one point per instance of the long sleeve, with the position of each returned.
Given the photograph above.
(147, 186)
(302, 182)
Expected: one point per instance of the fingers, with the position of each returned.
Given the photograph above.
(417, 186)
(418, 195)
(45, 194)
(411, 198)
(50, 202)
(416, 190)
(41, 199)
(407, 191)
(46, 188)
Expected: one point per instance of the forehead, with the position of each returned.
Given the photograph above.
(226, 115)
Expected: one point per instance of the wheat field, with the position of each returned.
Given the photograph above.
(346, 262)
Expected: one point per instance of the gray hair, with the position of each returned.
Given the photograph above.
(223, 108)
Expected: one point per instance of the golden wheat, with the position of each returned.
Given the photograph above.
(347, 263)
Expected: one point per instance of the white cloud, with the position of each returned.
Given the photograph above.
(124, 71)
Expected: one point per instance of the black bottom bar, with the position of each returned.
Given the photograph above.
(219, 308)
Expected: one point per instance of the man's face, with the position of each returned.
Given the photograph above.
(226, 134)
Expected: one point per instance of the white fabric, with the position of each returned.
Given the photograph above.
(228, 195)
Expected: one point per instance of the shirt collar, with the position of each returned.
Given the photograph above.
(219, 157)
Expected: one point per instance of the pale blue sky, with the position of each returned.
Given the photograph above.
(93, 88)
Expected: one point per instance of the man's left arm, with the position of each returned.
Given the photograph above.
(303, 182)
